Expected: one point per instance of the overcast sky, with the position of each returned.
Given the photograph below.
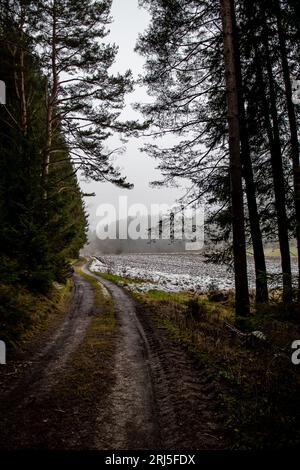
(129, 21)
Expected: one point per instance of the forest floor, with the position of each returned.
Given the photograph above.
(103, 374)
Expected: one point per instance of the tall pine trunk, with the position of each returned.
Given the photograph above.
(22, 73)
(293, 127)
(238, 220)
(52, 99)
(277, 170)
(256, 235)
(278, 183)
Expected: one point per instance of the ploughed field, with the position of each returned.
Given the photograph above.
(180, 271)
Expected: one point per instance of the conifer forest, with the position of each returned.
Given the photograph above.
(149, 229)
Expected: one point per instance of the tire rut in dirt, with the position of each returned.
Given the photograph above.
(186, 395)
(179, 394)
(130, 418)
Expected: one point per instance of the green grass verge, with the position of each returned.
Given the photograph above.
(120, 280)
(274, 252)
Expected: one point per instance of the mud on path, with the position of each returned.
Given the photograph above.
(157, 398)
(160, 398)
(129, 420)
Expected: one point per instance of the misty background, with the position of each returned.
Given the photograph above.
(128, 21)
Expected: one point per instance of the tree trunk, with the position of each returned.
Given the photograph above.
(278, 177)
(238, 222)
(51, 104)
(22, 75)
(256, 235)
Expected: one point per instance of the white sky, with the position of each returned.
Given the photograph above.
(129, 21)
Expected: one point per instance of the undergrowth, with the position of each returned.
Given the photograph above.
(23, 312)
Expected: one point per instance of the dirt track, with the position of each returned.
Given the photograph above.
(158, 398)
(131, 422)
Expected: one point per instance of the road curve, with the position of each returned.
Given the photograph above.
(130, 422)
(153, 397)
(162, 399)
(26, 384)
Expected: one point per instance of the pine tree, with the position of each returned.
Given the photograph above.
(82, 97)
(185, 74)
(239, 241)
(248, 173)
(294, 142)
(264, 80)
(30, 254)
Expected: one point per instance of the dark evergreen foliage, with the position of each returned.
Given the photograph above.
(62, 105)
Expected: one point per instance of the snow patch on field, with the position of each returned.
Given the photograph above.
(98, 267)
(173, 272)
(170, 273)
